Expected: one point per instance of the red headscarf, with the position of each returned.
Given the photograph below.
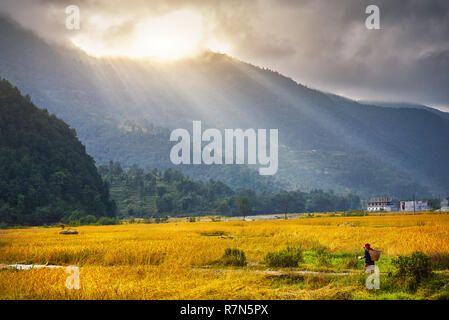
(367, 246)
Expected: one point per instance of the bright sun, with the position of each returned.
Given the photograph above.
(175, 35)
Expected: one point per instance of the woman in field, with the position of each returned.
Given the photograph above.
(368, 260)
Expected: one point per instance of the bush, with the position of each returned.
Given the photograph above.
(289, 257)
(234, 257)
(354, 214)
(324, 257)
(413, 269)
(440, 261)
(104, 221)
(351, 263)
(89, 219)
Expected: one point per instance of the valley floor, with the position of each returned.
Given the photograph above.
(181, 260)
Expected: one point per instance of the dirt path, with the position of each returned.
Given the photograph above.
(27, 266)
(281, 272)
(266, 272)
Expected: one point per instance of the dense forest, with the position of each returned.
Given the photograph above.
(139, 193)
(46, 175)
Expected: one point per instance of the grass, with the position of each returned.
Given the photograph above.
(159, 261)
(289, 257)
(233, 257)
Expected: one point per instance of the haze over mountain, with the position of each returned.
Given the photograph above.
(323, 44)
(124, 109)
(407, 105)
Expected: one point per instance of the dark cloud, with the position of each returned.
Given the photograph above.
(319, 43)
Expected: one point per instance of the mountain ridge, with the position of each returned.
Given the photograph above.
(123, 110)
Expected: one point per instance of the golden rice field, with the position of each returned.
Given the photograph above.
(173, 260)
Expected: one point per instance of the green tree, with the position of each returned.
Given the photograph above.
(243, 206)
(165, 203)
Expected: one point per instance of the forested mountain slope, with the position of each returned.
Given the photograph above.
(124, 109)
(45, 174)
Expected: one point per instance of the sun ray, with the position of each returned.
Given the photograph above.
(173, 36)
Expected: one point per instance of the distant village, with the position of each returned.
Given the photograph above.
(386, 204)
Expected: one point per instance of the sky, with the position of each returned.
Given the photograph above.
(323, 44)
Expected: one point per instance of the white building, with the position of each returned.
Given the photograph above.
(380, 204)
(444, 206)
(410, 206)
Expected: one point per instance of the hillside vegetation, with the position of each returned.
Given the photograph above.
(143, 194)
(45, 174)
